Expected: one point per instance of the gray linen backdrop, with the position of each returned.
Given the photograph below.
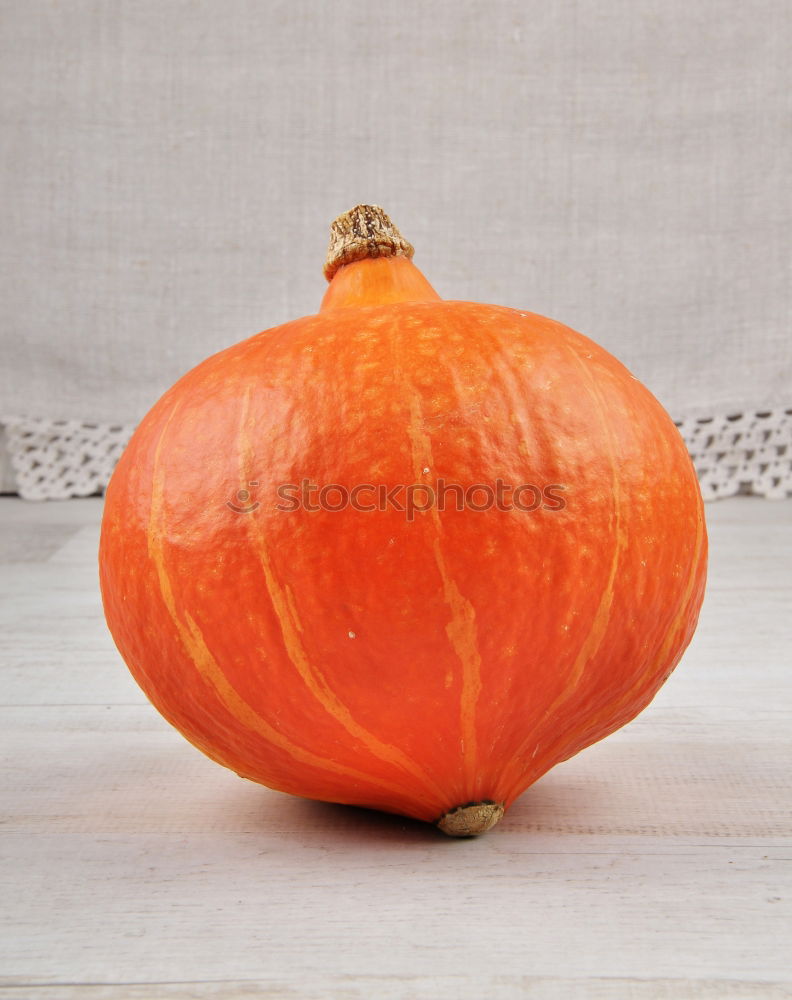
(170, 169)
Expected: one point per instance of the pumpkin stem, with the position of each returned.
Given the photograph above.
(364, 231)
(471, 819)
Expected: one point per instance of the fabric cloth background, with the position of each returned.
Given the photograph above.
(170, 169)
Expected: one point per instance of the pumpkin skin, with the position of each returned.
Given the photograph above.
(413, 665)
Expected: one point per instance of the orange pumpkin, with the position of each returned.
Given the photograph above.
(406, 553)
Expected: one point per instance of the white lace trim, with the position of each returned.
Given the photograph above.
(744, 452)
(56, 459)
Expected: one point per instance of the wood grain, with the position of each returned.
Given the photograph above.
(654, 864)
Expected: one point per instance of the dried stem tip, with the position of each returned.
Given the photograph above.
(472, 819)
(363, 231)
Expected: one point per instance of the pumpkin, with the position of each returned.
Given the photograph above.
(406, 553)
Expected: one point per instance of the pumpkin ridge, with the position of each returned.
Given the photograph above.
(461, 629)
(290, 627)
(590, 725)
(601, 618)
(194, 643)
(599, 624)
(672, 633)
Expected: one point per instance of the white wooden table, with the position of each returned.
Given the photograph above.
(655, 864)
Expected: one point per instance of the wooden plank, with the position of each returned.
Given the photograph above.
(492, 986)
(368, 898)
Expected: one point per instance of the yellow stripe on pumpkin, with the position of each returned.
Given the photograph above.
(601, 619)
(461, 630)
